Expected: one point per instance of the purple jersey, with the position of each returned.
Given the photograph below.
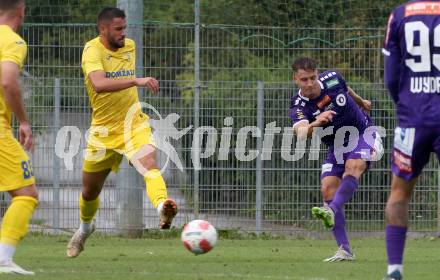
(334, 96)
(412, 62)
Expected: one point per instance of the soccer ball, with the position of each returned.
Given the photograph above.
(199, 236)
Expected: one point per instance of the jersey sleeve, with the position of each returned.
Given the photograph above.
(298, 113)
(391, 51)
(342, 82)
(15, 51)
(333, 80)
(391, 42)
(91, 59)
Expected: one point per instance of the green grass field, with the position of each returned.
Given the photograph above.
(122, 259)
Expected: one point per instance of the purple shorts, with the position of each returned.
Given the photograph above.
(368, 149)
(412, 147)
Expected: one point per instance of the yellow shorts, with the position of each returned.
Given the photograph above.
(106, 152)
(15, 166)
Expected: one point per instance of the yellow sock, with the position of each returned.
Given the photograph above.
(156, 188)
(16, 219)
(87, 209)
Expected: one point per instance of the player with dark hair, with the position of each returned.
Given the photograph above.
(16, 175)
(412, 76)
(325, 101)
(118, 125)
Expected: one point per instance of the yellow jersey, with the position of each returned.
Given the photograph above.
(14, 49)
(109, 109)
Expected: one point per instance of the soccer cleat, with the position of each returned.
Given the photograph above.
(396, 275)
(326, 214)
(167, 213)
(12, 268)
(341, 255)
(77, 242)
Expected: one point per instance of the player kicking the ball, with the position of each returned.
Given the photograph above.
(324, 101)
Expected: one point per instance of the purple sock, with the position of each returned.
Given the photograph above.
(344, 193)
(395, 239)
(339, 230)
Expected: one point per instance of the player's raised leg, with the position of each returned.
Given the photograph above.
(88, 206)
(157, 193)
(348, 185)
(336, 193)
(354, 168)
(330, 180)
(144, 160)
(329, 185)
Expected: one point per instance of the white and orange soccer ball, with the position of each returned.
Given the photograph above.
(199, 236)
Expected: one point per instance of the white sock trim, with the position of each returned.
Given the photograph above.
(6, 252)
(394, 267)
(159, 207)
(85, 228)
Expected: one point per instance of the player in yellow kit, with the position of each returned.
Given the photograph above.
(16, 176)
(118, 125)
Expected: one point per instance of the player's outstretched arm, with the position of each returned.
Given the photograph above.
(362, 103)
(11, 88)
(102, 84)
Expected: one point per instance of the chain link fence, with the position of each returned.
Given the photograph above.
(270, 193)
